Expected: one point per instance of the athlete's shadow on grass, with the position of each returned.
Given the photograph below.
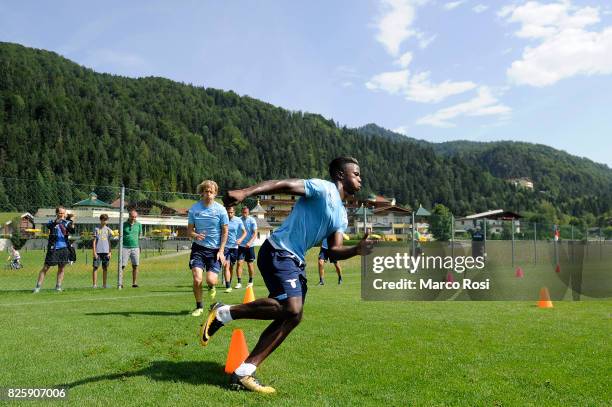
(130, 313)
(211, 373)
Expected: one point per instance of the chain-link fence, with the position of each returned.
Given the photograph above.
(517, 255)
(157, 220)
(515, 246)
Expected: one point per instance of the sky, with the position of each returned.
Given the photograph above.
(480, 70)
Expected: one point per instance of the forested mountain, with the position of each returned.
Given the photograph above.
(567, 181)
(63, 122)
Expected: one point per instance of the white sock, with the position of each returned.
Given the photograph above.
(246, 369)
(224, 315)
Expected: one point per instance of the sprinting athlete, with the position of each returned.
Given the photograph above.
(318, 214)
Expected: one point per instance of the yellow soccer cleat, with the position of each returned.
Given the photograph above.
(211, 325)
(249, 383)
(197, 312)
(212, 293)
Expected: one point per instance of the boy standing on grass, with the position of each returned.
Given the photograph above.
(318, 214)
(101, 250)
(207, 225)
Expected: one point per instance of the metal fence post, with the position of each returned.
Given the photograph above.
(485, 238)
(600, 244)
(573, 246)
(413, 230)
(535, 243)
(120, 257)
(452, 236)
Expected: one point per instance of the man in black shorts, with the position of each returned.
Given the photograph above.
(323, 258)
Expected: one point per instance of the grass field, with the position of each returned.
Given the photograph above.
(139, 346)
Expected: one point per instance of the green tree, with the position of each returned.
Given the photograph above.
(441, 222)
(17, 238)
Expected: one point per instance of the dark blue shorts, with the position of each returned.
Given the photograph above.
(204, 258)
(102, 260)
(282, 272)
(231, 255)
(324, 255)
(246, 253)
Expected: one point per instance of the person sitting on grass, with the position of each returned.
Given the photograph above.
(15, 259)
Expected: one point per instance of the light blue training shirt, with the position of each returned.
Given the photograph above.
(251, 227)
(235, 229)
(208, 220)
(315, 216)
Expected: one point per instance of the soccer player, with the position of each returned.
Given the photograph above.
(318, 214)
(101, 250)
(207, 225)
(246, 251)
(235, 228)
(323, 258)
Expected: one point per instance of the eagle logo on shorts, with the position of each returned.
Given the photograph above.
(292, 282)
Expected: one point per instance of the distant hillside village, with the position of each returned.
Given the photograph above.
(380, 215)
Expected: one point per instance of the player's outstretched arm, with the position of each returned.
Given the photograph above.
(339, 252)
(286, 186)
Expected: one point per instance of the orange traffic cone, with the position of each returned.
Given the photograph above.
(249, 295)
(237, 353)
(558, 268)
(545, 301)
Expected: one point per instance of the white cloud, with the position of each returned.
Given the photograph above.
(425, 40)
(395, 25)
(404, 60)
(420, 89)
(564, 47)
(453, 4)
(479, 8)
(484, 104)
(417, 88)
(390, 82)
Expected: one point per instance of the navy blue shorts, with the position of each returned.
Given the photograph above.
(204, 258)
(324, 255)
(246, 253)
(231, 255)
(102, 260)
(282, 272)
